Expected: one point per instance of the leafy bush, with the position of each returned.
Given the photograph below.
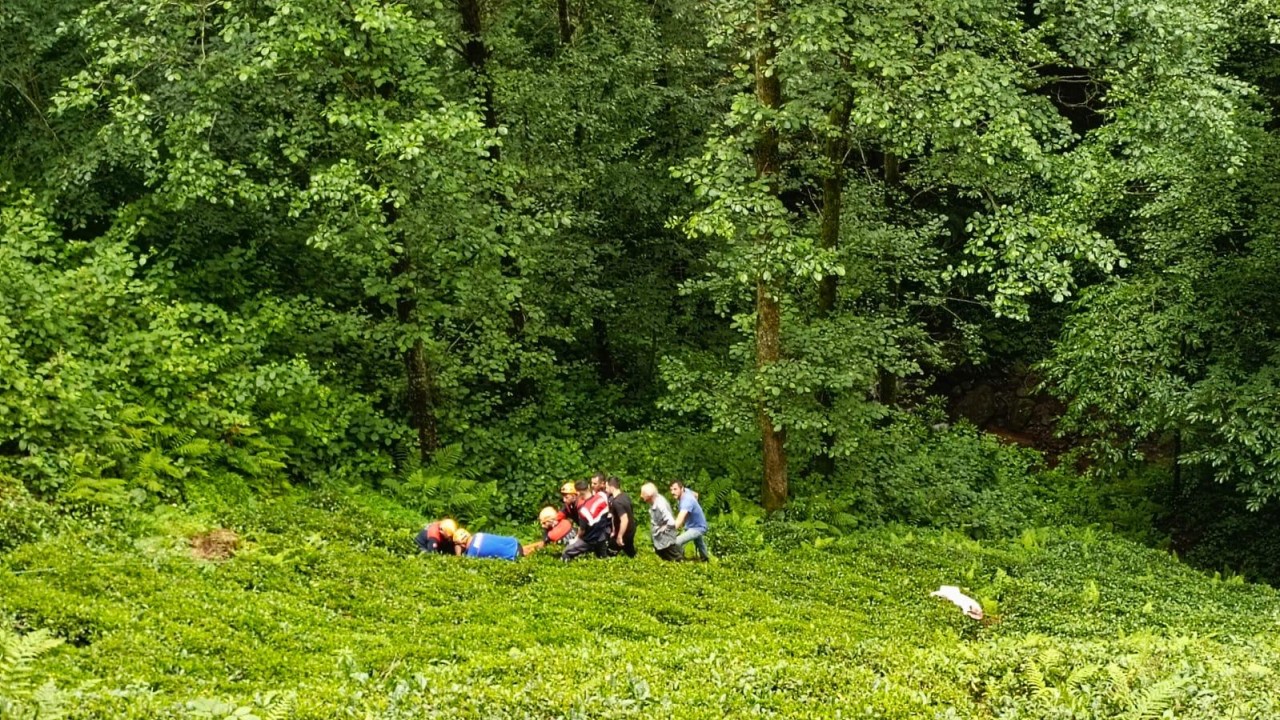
(908, 472)
(114, 391)
(444, 489)
(22, 517)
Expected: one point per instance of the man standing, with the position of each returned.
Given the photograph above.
(624, 519)
(691, 519)
(662, 526)
(594, 520)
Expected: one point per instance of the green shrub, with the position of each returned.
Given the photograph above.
(908, 472)
(22, 517)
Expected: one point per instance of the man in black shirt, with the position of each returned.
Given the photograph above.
(624, 519)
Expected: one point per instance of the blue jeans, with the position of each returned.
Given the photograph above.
(694, 534)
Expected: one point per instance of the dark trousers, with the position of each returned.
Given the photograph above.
(628, 547)
(582, 547)
(674, 553)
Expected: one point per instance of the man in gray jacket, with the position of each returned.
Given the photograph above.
(662, 524)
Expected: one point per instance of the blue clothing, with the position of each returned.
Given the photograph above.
(484, 545)
(695, 520)
(695, 535)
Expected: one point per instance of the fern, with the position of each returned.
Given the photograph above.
(1033, 678)
(1151, 702)
(194, 448)
(435, 495)
(447, 461)
(276, 706)
(105, 492)
(1119, 684)
(1079, 678)
(19, 698)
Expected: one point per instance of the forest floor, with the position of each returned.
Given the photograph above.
(320, 609)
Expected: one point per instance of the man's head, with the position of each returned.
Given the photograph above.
(613, 486)
(568, 493)
(462, 538)
(597, 482)
(547, 518)
(677, 489)
(583, 488)
(648, 492)
(448, 527)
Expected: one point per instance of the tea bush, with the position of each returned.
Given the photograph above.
(326, 612)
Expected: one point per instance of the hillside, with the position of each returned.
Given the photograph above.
(324, 612)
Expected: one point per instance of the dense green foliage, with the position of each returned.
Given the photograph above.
(324, 612)
(316, 270)
(260, 243)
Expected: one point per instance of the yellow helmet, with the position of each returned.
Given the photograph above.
(568, 489)
(462, 537)
(448, 527)
(548, 514)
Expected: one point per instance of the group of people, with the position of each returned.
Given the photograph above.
(595, 517)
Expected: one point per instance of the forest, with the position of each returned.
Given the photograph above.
(910, 292)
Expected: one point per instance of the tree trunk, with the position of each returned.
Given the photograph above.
(887, 382)
(768, 309)
(476, 54)
(418, 372)
(422, 394)
(832, 199)
(562, 16)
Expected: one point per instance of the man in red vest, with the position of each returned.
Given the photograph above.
(555, 531)
(438, 538)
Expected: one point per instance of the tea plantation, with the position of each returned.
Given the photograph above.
(326, 612)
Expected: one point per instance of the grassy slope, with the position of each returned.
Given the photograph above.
(328, 602)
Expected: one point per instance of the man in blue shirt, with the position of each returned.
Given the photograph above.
(691, 519)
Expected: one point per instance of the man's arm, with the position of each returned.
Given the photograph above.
(664, 515)
(622, 527)
(680, 518)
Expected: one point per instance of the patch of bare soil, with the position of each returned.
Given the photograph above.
(219, 544)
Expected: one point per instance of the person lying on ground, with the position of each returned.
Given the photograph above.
(594, 524)
(438, 537)
(554, 531)
(662, 526)
(691, 519)
(623, 538)
(488, 545)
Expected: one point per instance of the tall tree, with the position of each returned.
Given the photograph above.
(768, 305)
(350, 121)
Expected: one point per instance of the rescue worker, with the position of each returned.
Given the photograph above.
(569, 501)
(438, 537)
(555, 531)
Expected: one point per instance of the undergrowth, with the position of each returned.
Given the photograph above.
(326, 612)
